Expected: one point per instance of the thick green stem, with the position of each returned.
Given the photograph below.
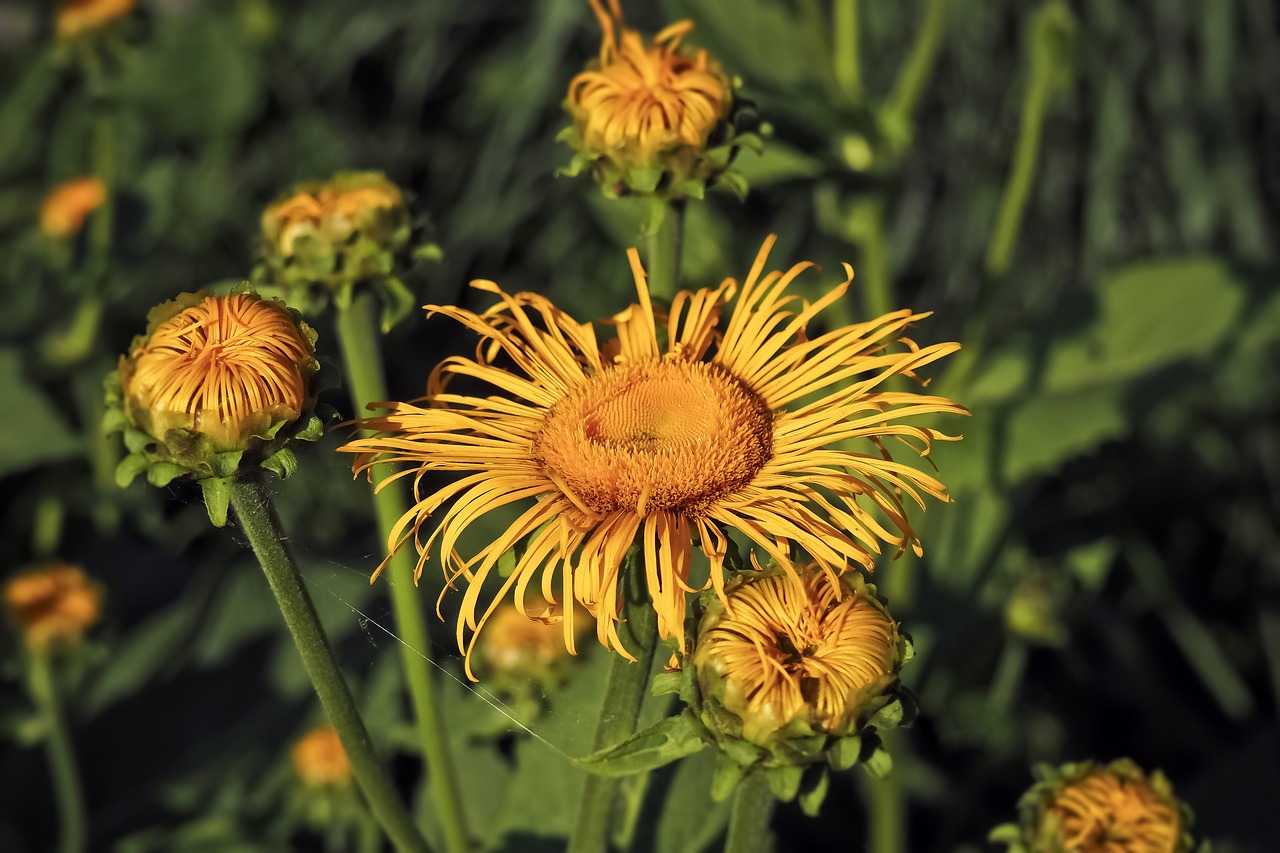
(844, 25)
(887, 810)
(915, 71)
(628, 685)
(1008, 675)
(73, 818)
(665, 247)
(1017, 189)
(877, 284)
(750, 815)
(258, 518)
(357, 334)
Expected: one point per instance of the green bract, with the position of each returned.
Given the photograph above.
(323, 239)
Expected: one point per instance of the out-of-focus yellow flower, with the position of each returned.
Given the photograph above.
(79, 16)
(1096, 808)
(226, 367)
(69, 204)
(738, 422)
(521, 645)
(330, 210)
(53, 605)
(319, 759)
(781, 649)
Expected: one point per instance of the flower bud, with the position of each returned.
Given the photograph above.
(656, 118)
(1089, 806)
(798, 667)
(68, 205)
(324, 238)
(54, 605)
(216, 383)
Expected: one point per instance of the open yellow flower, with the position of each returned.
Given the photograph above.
(319, 759)
(678, 426)
(78, 16)
(69, 204)
(54, 604)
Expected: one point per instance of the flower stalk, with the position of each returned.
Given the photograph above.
(665, 252)
(252, 505)
(624, 694)
(844, 26)
(363, 369)
(749, 817)
(73, 818)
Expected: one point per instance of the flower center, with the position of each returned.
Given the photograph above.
(669, 436)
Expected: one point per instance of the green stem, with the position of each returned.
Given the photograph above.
(867, 229)
(624, 694)
(665, 247)
(73, 817)
(750, 815)
(887, 832)
(1008, 675)
(1017, 189)
(358, 337)
(845, 27)
(915, 71)
(258, 518)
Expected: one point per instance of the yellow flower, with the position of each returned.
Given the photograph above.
(679, 426)
(644, 100)
(54, 604)
(319, 759)
(331, 210)
(784, 650)
(78, 16)
(521, 644)
(225, 367)
(69, 204)
(1096, 808)
(1105, 812)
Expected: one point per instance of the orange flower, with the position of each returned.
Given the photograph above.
(54, 604)
(227, 367)
(331, 210)
(78, 16)
(69, 204)
(680, 426)
(1106, 812)
(319, 759)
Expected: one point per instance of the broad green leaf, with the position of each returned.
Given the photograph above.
(35, 434)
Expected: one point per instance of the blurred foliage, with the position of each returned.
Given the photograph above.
(1106, 583)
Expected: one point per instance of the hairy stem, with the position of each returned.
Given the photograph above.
(258, 518)
(357, 334)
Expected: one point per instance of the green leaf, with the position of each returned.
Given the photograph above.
(669, 740)
(690, 820)
(35, 434)
(397, 300)
(283, 463)
(879, 763)
(779, 163)
(727, 777)
(161, 474)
